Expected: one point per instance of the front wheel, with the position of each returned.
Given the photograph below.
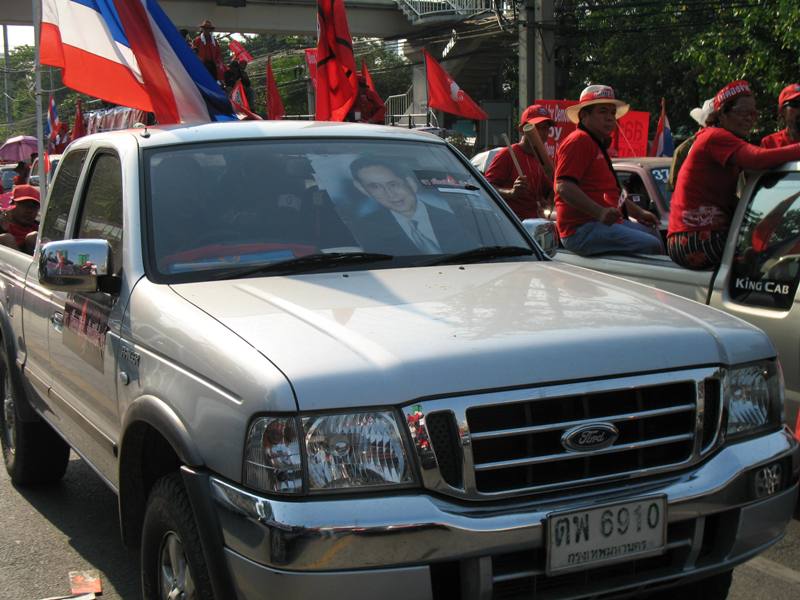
(173, 565)
(32, 451)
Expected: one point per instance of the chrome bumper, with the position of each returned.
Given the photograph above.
(324, 535)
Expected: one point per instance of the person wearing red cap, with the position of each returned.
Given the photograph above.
(589, 200)
(528, 192)
(705, 193)
(208, 51)
(20, 224)
(789, 111)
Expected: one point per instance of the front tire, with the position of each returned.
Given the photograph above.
(32, 451)
(173, 565)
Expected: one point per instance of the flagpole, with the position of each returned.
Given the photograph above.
(427, 91)
(37, 22)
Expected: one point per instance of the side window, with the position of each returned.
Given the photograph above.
(57, 211)
(766, 265)
(101, 213)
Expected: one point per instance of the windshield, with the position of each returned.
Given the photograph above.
(215, 208)
(661, 177)
(7, 176)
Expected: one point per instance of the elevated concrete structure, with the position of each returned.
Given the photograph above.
(372, 18)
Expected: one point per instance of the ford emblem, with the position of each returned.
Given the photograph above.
(585, 438)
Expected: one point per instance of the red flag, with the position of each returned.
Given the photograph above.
(367, 77)
(275, 108)
(337, 85)
(46, 162)
(78, 127)
(311, 61)
(444, 93)
(239, 51)
(240, 105)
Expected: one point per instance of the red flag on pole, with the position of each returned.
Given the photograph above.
(444, 93)
(367, 77)
(240, 105)
(337, 85)
(78, 127)
(275, 108)
(239, 51)
(311, 61)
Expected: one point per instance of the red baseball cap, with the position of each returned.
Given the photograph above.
(734, 89)
(789, 93)
(534, 114)
(24, 193)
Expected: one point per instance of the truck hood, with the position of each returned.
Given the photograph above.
(390, 336)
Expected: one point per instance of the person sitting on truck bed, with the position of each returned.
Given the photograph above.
(588, 196)
(526, 193)
(705, 194)
(789, 111)
(20, 224)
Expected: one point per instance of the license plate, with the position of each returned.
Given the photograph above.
(583, 539)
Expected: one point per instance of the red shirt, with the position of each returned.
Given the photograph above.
(705, 193)
(502, 173)
(580, 159)
(19, 231)
(777, 140)
(208, 51)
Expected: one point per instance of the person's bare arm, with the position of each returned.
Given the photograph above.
(575, 197)
(520, 188)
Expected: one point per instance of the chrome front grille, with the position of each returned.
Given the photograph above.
(510, 443)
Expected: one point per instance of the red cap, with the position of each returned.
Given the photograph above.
(534, 114)
(22, 193)
(789, 93)
(733, 90)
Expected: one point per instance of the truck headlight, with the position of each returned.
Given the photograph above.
(272, 459)
(754, 396)
(342, 451)
(355, 450)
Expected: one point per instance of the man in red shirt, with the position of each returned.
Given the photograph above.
(789, 110)
(20, 219)
(528, 192)
(208, 51)
(589, 200)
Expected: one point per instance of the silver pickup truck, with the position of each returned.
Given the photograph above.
(325, 360)
(757, 280)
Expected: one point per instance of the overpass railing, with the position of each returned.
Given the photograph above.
(417, 10)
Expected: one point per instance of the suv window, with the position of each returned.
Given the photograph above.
(55, 220)
(101, 214)
(766, 265)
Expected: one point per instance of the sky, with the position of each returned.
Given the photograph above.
(18, 35)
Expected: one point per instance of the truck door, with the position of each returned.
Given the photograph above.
(39, 305)
(760, 271)
(82, 363)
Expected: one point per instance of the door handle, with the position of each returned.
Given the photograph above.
(57, 319)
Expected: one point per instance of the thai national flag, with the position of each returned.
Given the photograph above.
(662, 144)
(128, 52)
(53, 124)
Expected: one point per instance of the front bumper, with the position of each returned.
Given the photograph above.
(416, 542)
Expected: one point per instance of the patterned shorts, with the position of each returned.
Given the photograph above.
(698, 250)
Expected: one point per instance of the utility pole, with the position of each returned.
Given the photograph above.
(536, 52)
(9, 117)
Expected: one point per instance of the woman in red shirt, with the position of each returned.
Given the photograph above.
(705, 194)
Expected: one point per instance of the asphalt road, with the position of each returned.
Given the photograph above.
(45, 533)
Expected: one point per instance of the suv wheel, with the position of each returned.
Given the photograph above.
(33, 453)
(173, 566)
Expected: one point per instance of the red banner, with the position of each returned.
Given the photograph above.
(311, 61)
(630, 138)
(239, 51)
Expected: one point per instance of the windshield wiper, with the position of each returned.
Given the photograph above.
(306, 263)
(480, 254)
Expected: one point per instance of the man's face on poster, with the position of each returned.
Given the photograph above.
(389, 189)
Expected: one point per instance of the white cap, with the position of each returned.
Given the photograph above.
(701, 115)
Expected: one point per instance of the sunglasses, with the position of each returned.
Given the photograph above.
(793, 103)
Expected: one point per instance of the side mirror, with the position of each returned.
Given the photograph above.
(75, 265)
(544, 233)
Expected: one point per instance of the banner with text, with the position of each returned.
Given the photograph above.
(630, 138)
